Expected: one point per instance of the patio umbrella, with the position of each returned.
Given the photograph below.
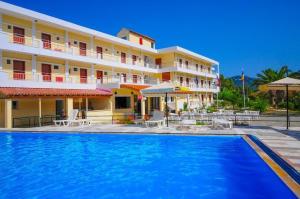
(165, 89)
(287, 82)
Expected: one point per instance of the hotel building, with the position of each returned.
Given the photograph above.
(48, 67)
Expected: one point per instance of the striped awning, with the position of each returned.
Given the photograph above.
(6, 92)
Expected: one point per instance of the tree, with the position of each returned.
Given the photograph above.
(269, 75)
(295, 74)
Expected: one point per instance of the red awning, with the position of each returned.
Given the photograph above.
(134, 87)
(6, 92)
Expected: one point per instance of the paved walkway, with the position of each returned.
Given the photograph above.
(286, 144)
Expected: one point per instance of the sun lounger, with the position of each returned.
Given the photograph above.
(158, 119)
(217, 122)
(72, 120)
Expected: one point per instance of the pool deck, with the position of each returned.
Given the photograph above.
(285, 143)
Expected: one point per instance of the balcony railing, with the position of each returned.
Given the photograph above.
(18, 75)
(18, 39)
(46, 77)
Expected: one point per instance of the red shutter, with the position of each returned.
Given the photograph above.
(46, 39)
(99, 52)
(158, 62)
(82, 48)
(19, 69)
(166, 76)
(123, 58)
(141, 40)
(19, 35)
(46, 72)
(83, 75)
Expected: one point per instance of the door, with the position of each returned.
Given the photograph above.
(59, 107)
(82, 48)
(99, 52)
(100, 76)
(158, 62)
(135, 79)
(187, 82)
(133, 59)
(83, 75)
(19, 35)
(181, 81)
(137, 106)
(19, 69)
(123, 58)
(166, 76)
(46, 72)
(124, 78)
(46, 39)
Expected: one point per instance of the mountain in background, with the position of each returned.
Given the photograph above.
(248, 81)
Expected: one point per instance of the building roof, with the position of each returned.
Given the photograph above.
(134, 86)
(142, 35)
(6, 92)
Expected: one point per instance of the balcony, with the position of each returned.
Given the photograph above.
(53, 49)
(197, 87)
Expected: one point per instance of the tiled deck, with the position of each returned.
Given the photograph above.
(286, 144)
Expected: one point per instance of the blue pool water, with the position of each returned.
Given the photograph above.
(133, 166)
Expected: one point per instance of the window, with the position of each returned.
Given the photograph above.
(180, 62)
(141, 41)
(152, 45)
(124, 37)
(197, 67)
(186, 64)
(122, 102)
(82, 49)
(46, 39)
(15, 105)
(18, 69)
(99, 52)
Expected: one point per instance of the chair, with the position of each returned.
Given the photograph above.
(157, 119)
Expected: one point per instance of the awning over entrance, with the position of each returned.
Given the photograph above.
(6, 92)
(166, 87)
(134, 87)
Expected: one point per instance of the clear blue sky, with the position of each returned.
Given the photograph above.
(249, 34)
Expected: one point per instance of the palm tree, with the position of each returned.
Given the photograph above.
(269, 75)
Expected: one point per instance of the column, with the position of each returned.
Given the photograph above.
(162, 103)
(67, 70)
(69, 106)
(33, 31)
(176, 105)
(8, 113)
(92, 46)
(143, 107)
(86, 107)
(92, 73)
(1, 21)
(66, 40)
(33, 67)
(1, 63)
(40, 111)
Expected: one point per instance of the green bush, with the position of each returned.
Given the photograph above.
(185, 106)
(259, 104)
(200, 123)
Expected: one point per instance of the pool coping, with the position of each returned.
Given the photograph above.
(271, 160)
(280, 166)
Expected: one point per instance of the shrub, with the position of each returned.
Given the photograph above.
(259, 105)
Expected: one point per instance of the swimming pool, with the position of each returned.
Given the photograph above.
(64, 165)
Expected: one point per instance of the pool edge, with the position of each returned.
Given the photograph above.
(276, 167)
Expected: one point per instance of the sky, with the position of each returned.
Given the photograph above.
(249, 35)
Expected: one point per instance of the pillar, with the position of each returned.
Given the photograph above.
(66, 40)
(33, 31)
(93, 73)
(8, 113)
(1, 21)
(67, 70)
(161, 104)
(33, 67)
(40, 110)
(69, 106)
(92, 46)
(176, 105)
(1, 63)
(143, 107)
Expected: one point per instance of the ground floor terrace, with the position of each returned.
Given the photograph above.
(31, 107)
